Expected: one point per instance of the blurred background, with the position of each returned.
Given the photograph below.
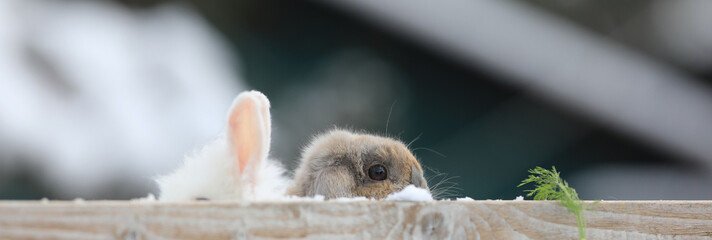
(98, 97)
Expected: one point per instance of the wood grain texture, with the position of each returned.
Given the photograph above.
(353, 220)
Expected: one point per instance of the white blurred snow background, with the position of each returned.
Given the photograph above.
(97, 98)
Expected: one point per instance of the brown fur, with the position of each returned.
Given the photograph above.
(336, 165)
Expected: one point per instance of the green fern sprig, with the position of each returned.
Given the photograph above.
(548, 185)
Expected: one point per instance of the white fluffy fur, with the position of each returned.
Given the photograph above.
(210, 174)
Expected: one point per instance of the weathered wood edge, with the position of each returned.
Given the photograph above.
(489, 219)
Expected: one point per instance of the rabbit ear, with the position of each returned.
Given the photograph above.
(266, 118)
(332, 182)
(417, 179)
(249, 130)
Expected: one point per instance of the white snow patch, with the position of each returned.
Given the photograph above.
(353, 199)
(316, 198)
(149, 198)
(411, 193)
(519, 198)
(465, 199)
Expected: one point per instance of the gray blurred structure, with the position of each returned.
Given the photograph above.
(626, 65)
(556, 60)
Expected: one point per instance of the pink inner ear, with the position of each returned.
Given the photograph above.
(245, 134)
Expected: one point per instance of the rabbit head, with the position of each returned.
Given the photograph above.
(235, 166)
(341, 163)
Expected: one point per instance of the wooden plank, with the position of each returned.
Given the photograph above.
(352, 220)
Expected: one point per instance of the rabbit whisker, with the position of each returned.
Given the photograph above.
(414, 139)
(388, 120)
(443, 188)
(431, 150)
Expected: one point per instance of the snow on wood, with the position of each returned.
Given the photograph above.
(351, 220)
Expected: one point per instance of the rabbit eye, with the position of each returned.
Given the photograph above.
(202, 199)
(377, 172)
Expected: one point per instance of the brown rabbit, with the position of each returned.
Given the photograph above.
(341, 163)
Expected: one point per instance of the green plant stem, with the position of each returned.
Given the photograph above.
(578, 212)
(550, 186)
